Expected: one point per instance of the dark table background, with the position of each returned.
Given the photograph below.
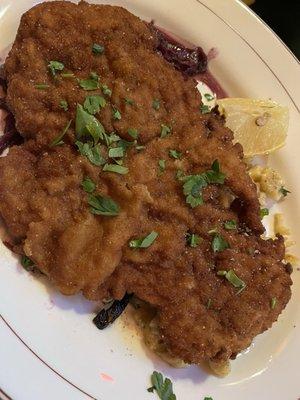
(283, 16)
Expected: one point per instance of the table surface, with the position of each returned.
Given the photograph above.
(283, 16)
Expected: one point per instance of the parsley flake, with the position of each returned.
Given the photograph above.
(204, 109)
(64, 105)
(165, 131)
(97, 49)
(162, 165)
(233, 279)
(116, 114)
(133, 133)
(118, 169)
(156, 104)
(162, 386)
(208, 304)
(106, 90)
(193, 240)
(139, 148)
(27, 263)
(273, 303)
(67, 75)
(92, 83)
(179, 174)
(101, 205)
(59, 139)
(230, 224)
(55, 66)
(88, 125)
(208, 96)
(116, 152)
(41, 86)
(145, 242)
(92, 153)
(129, 101)
(94, 75)
(263, 212)
(214, 230)
(126, 144)
(88, 185)
(284, 191)
(194, 184)
(192, 189)
(214, 175)
(92, 104)
(175, 154)
(219, 243)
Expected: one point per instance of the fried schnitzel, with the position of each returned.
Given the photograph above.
(123, 185)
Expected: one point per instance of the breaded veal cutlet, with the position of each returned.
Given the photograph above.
(214, 281)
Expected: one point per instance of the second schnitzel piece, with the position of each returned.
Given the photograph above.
(123, 185)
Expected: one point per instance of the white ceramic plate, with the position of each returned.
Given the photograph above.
(49, 348)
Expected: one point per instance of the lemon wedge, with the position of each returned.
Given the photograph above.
(260, 126)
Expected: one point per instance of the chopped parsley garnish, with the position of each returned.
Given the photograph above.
(88, 185)
(94, 75)
(208, 304)
(91, 152)
(233, 279)
(162, 165)
(156, 104)
(92, 104)
(64, 105)
(230, 224)
(59, 139)
(179, 174)
(139, 148)
(165, 131)
(27, 263)
(101, 205)
(97, 49)
(144, 242)
(41, 86)
(208, 398)
(88, 125)
(204, 109)
(55, 66)
(116, 114)
(175, 154)
(129, 101)
(133, 133)
(163, 387)
(106, 90)
(193, 240)
(284, 191)
(273, 303)
(208, 96)
(118, 169)
(194, 184)
(116, 152)
(219, 243)
(112, 138)
(263, 212)
(118, 161)
(214, 175)
(92, 83)
(192, 189)
(67, 75)
(126, 144)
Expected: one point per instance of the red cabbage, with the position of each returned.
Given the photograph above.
(189, 61)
